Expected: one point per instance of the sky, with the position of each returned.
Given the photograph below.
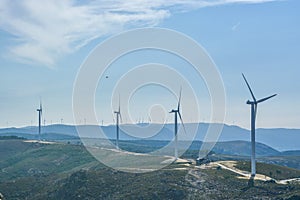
(44, 43)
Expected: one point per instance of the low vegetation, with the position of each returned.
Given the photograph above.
(66, 171)
(273, 171)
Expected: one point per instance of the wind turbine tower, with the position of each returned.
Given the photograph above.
(253, 105)
(40, 111)
(118, 116)
(177, 113)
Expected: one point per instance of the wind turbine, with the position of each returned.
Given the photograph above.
(118, 116)
(40, 111)
(177, 112)
(254, 104)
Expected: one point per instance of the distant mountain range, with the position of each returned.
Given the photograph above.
(279, 138)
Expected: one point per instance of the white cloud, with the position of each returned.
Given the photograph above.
(46, 30)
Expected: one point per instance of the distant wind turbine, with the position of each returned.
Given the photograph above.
(118, 116)
(40, 111)
(253, 118)
(177, 112)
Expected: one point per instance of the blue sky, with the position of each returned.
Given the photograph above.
(42, 46)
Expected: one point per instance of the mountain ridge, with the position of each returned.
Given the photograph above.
(281, 139)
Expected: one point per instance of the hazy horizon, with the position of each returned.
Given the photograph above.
(142, 123)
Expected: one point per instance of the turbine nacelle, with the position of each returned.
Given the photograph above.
(40, 109)
(173, 111)
(250, 102)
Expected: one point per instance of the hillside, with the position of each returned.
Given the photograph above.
(65, 171)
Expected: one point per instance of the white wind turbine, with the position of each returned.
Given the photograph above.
(118, 116)
(40, 111)
(253, 118)
(177, 112)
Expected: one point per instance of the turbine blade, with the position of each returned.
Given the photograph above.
(119, 103)
(41, 108)
(249, 88)
(40, 103)
(121, 120)
(182, 122)
(264, 99)
(178, 106)
(255, 111)
(113, 117)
